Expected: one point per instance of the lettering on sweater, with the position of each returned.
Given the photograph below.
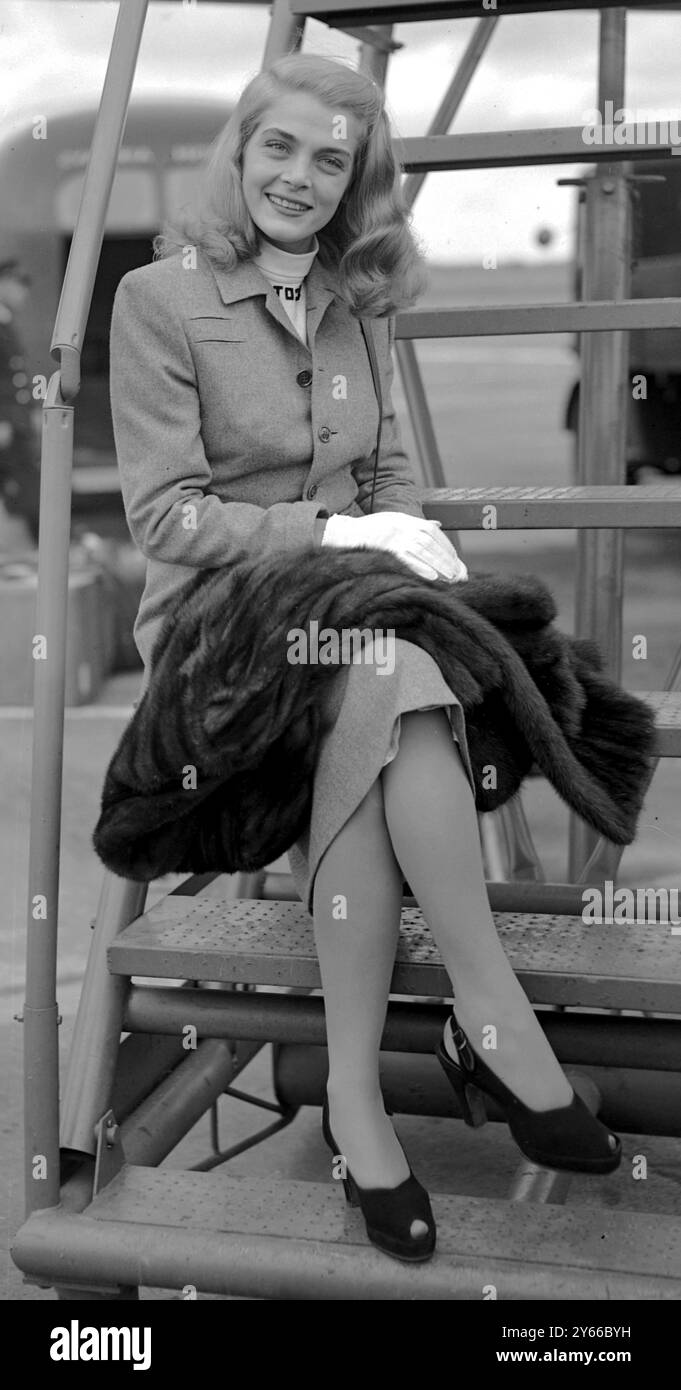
(290, 292)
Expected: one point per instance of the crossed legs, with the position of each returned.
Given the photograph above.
(417, 821)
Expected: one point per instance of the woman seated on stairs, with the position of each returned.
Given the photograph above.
(244, 412)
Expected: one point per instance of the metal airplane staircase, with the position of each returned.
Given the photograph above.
(104, 1219)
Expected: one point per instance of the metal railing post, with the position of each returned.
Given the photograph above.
(41, 1044)
(603, 393)
(285, 33)
(41, 1048)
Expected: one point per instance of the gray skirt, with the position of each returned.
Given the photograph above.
(367, 702)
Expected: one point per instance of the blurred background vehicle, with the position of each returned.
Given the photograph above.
(41, 178)
(42, 167)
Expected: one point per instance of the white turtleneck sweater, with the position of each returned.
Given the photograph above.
(286, 271)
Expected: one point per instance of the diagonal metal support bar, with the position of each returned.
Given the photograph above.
(410, 372)
(407, 360)
(452, 99)
(96, 1036)
(524, 864)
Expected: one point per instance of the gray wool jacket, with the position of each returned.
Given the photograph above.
(230, 432)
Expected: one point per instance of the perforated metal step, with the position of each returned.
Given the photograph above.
(265, 1238)
(558, 959)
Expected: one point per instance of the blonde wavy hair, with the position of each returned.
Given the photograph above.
(368, 241)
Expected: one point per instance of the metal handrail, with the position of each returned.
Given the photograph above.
(41, 1046)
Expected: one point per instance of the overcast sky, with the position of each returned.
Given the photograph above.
(539, 70)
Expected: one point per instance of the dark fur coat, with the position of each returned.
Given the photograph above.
(224, 700)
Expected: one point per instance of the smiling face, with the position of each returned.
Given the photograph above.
(296, 168)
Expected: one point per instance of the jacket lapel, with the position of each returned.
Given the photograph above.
(247, 280)
(322, 288)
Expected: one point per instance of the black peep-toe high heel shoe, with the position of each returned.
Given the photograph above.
(389, 1211)
(568, 1137)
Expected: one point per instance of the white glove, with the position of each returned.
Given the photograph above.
(419, 543)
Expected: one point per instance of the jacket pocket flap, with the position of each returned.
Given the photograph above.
(207, 329)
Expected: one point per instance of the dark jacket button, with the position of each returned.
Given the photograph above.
(312, 491)
(324, 433)
(304, 378)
